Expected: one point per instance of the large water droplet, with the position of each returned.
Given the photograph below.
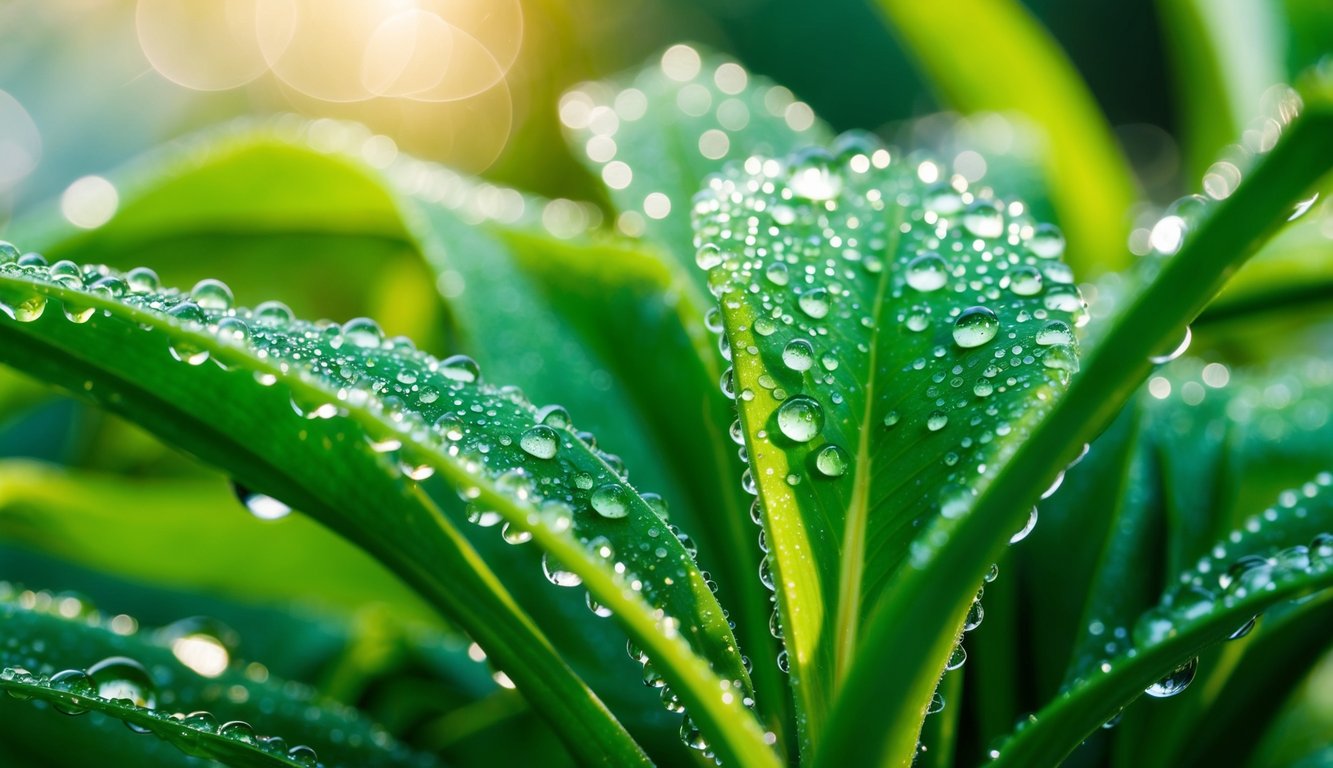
(261, 506)
(1055, 332)
(800, 418)
(798, 355)
(937, 421)
(975, 326)
(984, 218)
(212, 294)
(1175, 681)
(77, 682)
(814, 302)
(1047, 242)
(460, 368)
(119, 677)
(1025, 280)
(610, 501)
(708, 256)
(558, 574)
(831, 461)
(927, 272)
(540, 441)
(363, 332)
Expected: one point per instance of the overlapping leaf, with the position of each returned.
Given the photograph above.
(890, 340)
(406, 416)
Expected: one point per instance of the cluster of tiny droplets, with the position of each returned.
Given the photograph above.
(719, 108)
(433, 408)
(974, 287)
(202, 645)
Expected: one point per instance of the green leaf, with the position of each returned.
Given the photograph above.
(887, 339)
(901, 666)
(279, 449)
(984, 55)
(178, 683)
(653, 140)
(1254, 568)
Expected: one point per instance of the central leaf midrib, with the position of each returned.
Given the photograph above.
(852, 566)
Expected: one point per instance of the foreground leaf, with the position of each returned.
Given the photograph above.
(888, 339)
(382, 400)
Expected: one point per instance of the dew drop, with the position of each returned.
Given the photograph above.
(1055, 332)
(937, 420)
(798, 355)
(29, 309)
(212, 295)
(1025, 281)
(1174, 682)
(975, 326)
(891, 418)
(813, 179)
(708, 256)
(540, 441)
(142, 280)
(777, 273)
(800, 418)
(460, 368)
(1028, 525)
(261, 506)
(927, 272)
(363, 332)
(1175, 353)
(119, 677)
(239, 731)
(76, 682)
(1047, 242)
(831, 461)
(558, 575)
(983, 218)
(609, 501)
(273, 313)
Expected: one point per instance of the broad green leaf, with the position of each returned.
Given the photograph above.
(1204, 246)
(653, 140)
(252, 199)
(151, 531)
(989, 55)
(888, 338)
(404, 418)
(180, 684)
(1260, 565)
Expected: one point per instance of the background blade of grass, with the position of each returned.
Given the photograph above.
(992, 55)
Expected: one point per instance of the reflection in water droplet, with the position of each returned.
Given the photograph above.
(1175, 681)
(540, 441)
(975, 326)
(119, 677)
(831, 461)
(927, 272)
(800, 418)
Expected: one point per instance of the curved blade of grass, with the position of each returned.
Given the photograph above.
(406, 416)
(167, 695)
(902, 667)
(1207, 604)
(873, 374)
(989, 55)
(473, 232)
